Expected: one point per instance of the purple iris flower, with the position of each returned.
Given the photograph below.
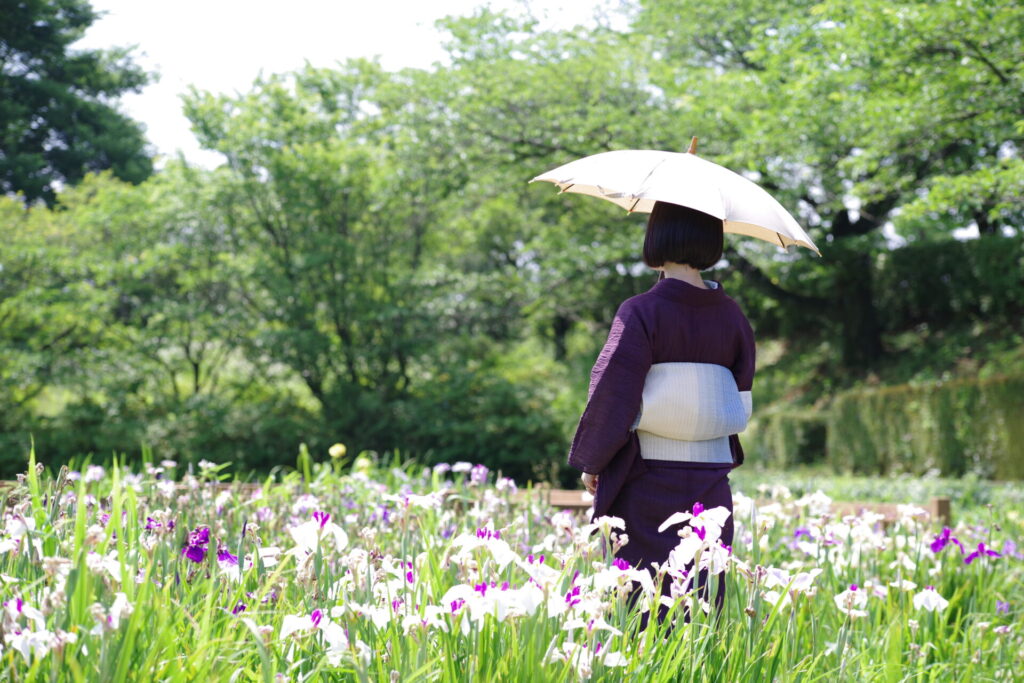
(456, 604)
(981, 552)
(802, 531)
(620, 563)
(572, 597)
(478, 475)
(195, 549)
(701, 532)
(239, 608)
(944, 539)
(322, 517)
(196, 553)
(316, 617)
(224, 556)
(1010, 550)
(1002, 607)
(698, 508)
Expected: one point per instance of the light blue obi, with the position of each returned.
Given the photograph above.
(688, 412)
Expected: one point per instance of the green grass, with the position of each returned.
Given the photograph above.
(383, 587)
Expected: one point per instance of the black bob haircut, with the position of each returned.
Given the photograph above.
(679, 234)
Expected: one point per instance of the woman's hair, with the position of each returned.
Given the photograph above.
(679, 234)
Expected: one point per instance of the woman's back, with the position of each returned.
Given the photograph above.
(673, 322)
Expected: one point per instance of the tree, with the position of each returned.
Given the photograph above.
(57, 119)
(853, 112)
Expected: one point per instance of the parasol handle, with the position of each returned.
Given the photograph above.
(693, 146)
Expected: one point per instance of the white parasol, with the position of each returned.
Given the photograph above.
(637, 178)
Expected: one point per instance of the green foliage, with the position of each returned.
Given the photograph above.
(370, 265)
(57, 122)
(942, 283)
(849, 112)
(783, 438)
(953, 427)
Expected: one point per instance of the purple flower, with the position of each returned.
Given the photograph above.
(200, 536)
(698, 508)
(1010, 550)
(802, 531)
(701, 532)
(239, 608)
(447, 532)
(572, 597)
(620, 563)
(981, 552)
(1002, 607)
(196, 553)
(224, 556)
(481, 588)
(478, 475)
(322, 517)
(195, 549)
(316, 616)
(944, 539)
(456, 604)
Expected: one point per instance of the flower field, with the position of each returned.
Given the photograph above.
(388, 572)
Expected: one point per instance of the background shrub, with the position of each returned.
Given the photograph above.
(954, 427)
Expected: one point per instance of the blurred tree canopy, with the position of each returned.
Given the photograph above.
(370, 265)
(57, 116)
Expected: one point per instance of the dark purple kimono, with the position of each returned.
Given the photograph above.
(672, 322)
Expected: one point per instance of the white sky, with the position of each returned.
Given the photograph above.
(221, 45)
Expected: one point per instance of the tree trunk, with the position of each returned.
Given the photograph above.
(560, 327)
(854, 309)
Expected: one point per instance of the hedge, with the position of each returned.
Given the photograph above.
(782, 438)
(954, 427)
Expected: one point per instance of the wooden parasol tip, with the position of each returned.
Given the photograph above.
(693, 145)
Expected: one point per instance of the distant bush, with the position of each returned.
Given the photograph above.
(957, 427)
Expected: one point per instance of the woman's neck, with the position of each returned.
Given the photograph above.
(684, 272)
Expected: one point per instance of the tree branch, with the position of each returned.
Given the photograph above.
(764, 284)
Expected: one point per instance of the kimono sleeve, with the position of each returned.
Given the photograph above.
(745, 364)
(615, 395)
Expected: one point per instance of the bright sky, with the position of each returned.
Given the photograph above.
(221, 45)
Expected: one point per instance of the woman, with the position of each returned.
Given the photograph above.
(681, 319)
